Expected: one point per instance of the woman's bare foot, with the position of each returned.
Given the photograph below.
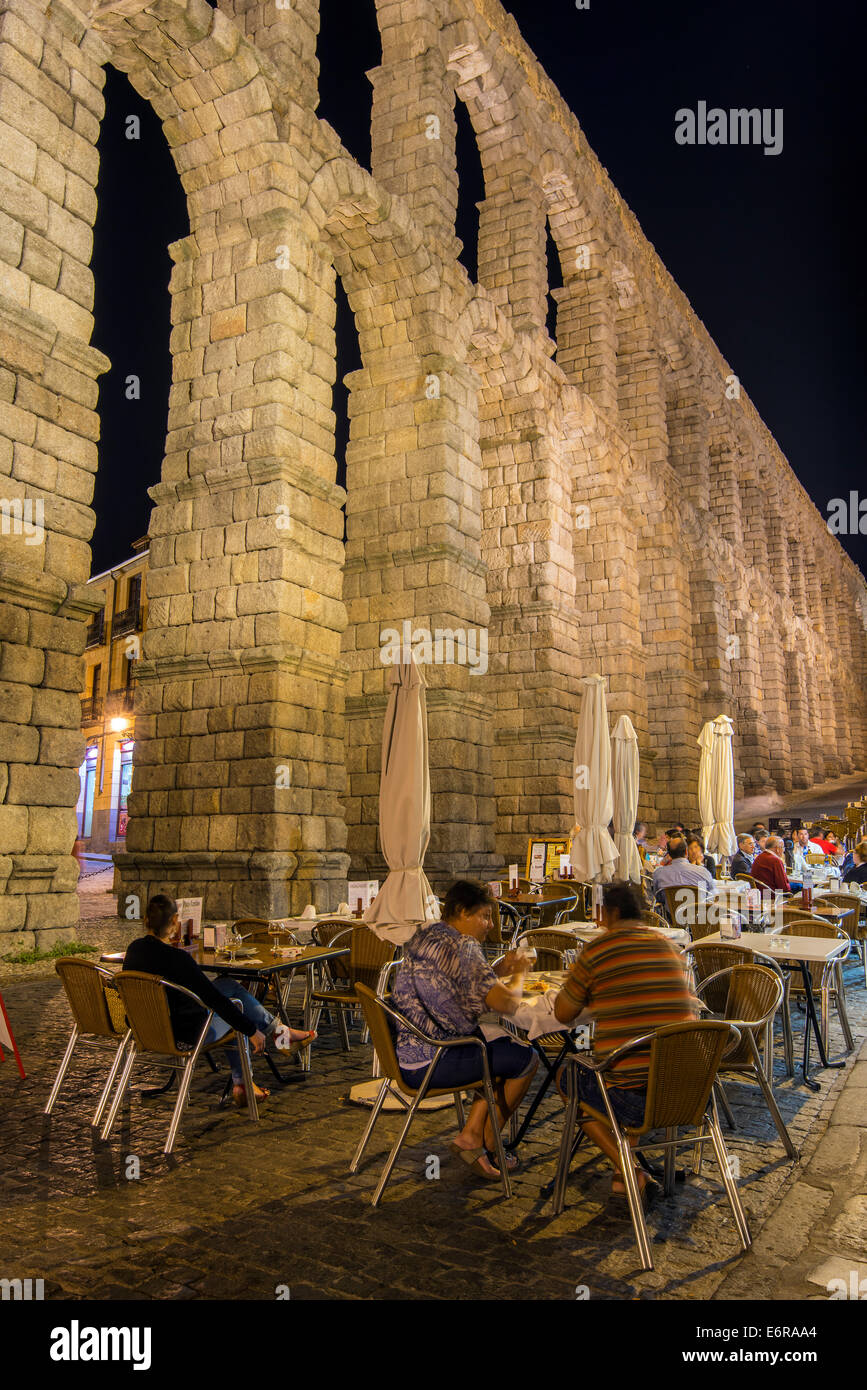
(470, 1144)
(239, 1093)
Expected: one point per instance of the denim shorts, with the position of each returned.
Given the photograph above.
(627, 1102)
(460, 1066)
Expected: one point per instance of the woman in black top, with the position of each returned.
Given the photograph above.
(155, 954)
(695, 853)
(858, 871)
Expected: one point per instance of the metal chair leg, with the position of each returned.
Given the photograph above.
(64, 1068)
(729, 1183)
(570, 1116)
(344, 1029)
(842, 1011)
(392, 1157)
(374, 1116)
(498, 1138)
(459, 1110)
(788, 1037)
(768, 1092)
(110, 1079)
(633, 1197)
(724, 1102)
(669, 1164)
(699, 1151)
(183, 1092)
(119, 1093)
(247, 1071)
(825, 1009)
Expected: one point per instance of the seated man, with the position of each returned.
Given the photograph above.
(742, 861)
(678, 872)
(769, 867)
(632, 981)
(802, 847)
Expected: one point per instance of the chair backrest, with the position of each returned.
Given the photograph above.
(323, 933)
(709, 960)
(377, 1020)
(753, 882)
(684, 1060)
(258, 928)
(682, 900)
(654, 919)
(753, 994)
(368, 953)
(550, 947)
(145, 998)
(549, 911)
(810, 926)
(87, 985)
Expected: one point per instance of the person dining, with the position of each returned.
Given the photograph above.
(678, 872)
(858, 872)
(696, 853)
(742, 860)
(801, 848)
(769, 867)
(632, 981)
(157, 953)
(444, 985)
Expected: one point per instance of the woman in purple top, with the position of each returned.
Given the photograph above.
(443, 987)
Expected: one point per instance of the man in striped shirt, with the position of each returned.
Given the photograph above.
(632, 981)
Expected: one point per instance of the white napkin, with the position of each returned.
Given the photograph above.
(535, 1016)
(343, 910)
(309, 913)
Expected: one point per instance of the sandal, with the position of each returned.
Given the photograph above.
(239, 1095)
(473, 1159)
(284, 1043)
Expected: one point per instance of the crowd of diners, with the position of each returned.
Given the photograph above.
(630, 979)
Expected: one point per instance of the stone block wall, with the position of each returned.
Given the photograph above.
(599, 502)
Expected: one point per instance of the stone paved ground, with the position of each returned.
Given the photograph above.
(239, 1209)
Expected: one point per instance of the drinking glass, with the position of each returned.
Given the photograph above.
(234, 939)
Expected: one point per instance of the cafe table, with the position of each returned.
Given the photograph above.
(540, 1025)
(523, 903)
(794, 953)
(265, 967)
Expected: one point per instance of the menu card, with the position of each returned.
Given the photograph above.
(363, 891)
(190, 913)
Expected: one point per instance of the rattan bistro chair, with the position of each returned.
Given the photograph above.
(555, 950)
(97, 1014)
(855, 927)
(146, 1001)
(688, 909)
(709, 960)
(753, 994)
(683, 1063)
(826, 977)
(379, 1015)
(369, 958)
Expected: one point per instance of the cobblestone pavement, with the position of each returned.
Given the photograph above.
(241, 1209)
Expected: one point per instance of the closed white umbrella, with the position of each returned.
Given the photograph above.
(705, 793)
(406, 898)
(722, 838)
(624, 787)
(594, 853)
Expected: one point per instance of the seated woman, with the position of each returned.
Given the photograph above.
(858, 871)
(696, 853)
(632, 981)
(156, 953)
(443, 986)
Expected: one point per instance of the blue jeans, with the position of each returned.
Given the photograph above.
(250, 1008)
(627, 1102)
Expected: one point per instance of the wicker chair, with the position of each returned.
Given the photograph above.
(506, 925)
(146, 1001)
(97, 1015)
(378, 1016)
(683, 1063)
(853, 906)
(708, 960)
(688, 909)
(555, 950)
(826, 977)
(369, 958)
(655, 919)
(855, 927)
(753, 994)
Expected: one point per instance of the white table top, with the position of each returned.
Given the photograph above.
(813, 949)
(585, 931)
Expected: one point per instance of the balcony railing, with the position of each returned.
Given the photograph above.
(120, 701)
(127, 620)
(91, 708)
(96, 630)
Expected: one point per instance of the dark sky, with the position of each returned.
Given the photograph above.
(766, 247)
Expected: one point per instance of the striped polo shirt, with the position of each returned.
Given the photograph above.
(632, 981)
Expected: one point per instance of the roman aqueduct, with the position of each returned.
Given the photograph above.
(609, 501)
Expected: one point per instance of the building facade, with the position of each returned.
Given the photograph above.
(604, 500)
(112, 651)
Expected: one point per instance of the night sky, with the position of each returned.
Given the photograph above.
(767, 248)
